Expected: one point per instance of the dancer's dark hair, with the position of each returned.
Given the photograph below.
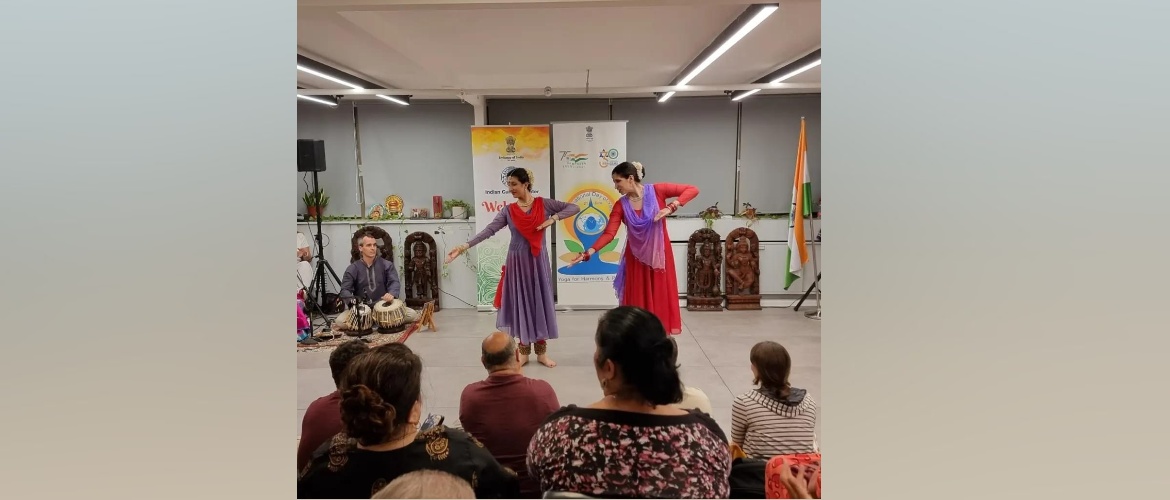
(521, 176)
(627, 169)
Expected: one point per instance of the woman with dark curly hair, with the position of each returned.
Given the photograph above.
(381, 440)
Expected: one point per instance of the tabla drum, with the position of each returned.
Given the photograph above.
(390, 316)
(360, 318)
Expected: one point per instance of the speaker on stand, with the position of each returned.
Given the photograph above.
(311, 158)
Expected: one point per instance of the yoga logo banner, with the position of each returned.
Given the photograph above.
(584, 153)
(495, 152)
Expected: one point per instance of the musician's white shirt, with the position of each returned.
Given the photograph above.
(302, 241)
(304, 269)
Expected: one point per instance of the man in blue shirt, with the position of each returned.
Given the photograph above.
(369, 279)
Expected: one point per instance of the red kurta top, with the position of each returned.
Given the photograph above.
(655, 291)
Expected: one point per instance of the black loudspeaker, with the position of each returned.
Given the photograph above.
(310, 155)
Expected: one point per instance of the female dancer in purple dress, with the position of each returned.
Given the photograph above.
(525, 296)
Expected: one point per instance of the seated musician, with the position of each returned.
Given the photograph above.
(369, 279)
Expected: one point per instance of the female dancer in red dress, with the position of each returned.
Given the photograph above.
(645, 275)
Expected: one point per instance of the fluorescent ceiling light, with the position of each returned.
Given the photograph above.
(348, 84)
(798, 71)
(727, 45)
(394, 100)
(316, 99)
(329, 77)
(745, 94)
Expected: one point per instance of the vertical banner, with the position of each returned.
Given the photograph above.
(495, 151)
(584, 154)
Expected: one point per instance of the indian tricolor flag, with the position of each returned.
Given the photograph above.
(801, 208)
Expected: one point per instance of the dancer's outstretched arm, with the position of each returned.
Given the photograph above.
(500, 222)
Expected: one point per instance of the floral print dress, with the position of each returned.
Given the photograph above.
(612, 453)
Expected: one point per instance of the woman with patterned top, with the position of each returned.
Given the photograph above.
(380, 411)
(632, 443)
(524, 297)
(775, 418)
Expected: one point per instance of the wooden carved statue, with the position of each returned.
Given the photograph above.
(421, 269)
(743, 270)
(385, 243)
(704, 269)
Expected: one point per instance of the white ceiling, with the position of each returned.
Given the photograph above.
(532, 44)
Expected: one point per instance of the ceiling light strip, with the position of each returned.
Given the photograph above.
(321, 74)
(316, 99)
(746, 22)
(798, 71)
(800, 65)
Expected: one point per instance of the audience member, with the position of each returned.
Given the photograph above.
(632, 443)
(427, 484)
(504, 410)
(775, 418)
(381, 408)
(322, 418)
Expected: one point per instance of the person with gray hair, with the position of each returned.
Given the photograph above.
(504, 410)
(427, 484)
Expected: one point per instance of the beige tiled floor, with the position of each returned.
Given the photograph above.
(713, 352)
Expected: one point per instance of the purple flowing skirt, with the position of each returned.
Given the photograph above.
(527, 310)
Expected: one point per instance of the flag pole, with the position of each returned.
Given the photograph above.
(812, 231)
(816, 313)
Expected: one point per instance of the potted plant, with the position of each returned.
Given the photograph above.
(315, 202)
(710, 215)
(749, 213)
(459, 208)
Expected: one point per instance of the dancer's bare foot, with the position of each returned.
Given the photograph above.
(546, 361)
(524, 361)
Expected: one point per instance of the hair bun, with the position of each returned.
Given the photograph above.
(366, 416)
(641, 170)
(663, 350)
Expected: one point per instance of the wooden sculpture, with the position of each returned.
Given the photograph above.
(743, 270)
(704, 269)
(385, 243)
(421, 269)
